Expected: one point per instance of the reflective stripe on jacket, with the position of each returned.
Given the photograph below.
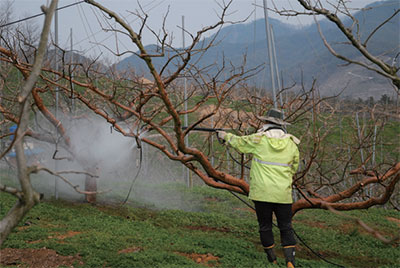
(275, 161)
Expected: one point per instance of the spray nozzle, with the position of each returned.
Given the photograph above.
(138, 142)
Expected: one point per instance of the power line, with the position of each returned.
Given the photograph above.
(101, 30)
(84, 19)
(38, 15)
(118, 40)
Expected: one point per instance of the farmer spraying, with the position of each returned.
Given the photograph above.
(275, 161)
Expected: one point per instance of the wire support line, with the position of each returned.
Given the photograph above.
(84, 21)
(114, 24)
(310, 42)
(38, 15)
(119, 41)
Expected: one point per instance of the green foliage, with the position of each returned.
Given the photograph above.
(115, 236)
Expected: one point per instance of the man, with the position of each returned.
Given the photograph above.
(275, 161)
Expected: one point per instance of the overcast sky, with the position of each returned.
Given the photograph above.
(84, 19)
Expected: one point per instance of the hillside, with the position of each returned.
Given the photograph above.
(300, 51)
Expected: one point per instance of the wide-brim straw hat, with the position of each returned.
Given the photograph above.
(274, 116)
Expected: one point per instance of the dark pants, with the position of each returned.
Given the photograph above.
(283, 213)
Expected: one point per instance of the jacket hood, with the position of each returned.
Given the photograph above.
(278, 139)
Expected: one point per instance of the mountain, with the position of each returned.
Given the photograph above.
(301, 53)
(77, 59)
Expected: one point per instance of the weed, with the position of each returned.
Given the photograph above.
(223, 229)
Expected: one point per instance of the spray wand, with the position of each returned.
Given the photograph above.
(207, 129)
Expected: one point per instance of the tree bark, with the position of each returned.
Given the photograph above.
(91, 184)
(28, 197)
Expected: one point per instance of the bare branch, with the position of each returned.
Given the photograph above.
(11, 190)
(379, 26)
(358, 221)
(37, 169)
(386, 72)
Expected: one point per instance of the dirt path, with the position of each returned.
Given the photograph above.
(36, 258)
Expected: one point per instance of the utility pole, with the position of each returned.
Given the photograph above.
(72, 75)
(271, 64)
(185, 83)
(212, 143)
(255, 28)
(276, 66)
(185, 116)
(360, 140)
(3, 128)
(56, 112)
(373, 155)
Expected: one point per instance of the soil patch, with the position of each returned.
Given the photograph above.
(203, 259)
(21, 228)
(317, 224)
(246, 209)
(352, 261)
(59, 237)
(114, 210)
(208, 229)
(212, 199)
(64, 236)
(394, 220)
(130, 250)
(352, 227)
(37, 258)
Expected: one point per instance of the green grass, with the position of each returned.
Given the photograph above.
(221, 226)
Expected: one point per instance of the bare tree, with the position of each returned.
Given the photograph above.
(27, 196)
(131, 105)
(332, 10)
(150, 110)
(338, 12)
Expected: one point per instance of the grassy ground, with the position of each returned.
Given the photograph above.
(222, 232)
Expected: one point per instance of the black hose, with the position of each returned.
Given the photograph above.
(137, 173)
(296, 234)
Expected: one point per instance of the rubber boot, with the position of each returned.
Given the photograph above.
(289, 253)
(270, 254)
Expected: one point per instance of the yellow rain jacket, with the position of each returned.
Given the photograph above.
(275, 161)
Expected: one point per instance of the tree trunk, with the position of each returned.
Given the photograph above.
(16, 214)
(91, 185)
(27, 196)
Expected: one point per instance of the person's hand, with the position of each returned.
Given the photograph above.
(221, 134)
